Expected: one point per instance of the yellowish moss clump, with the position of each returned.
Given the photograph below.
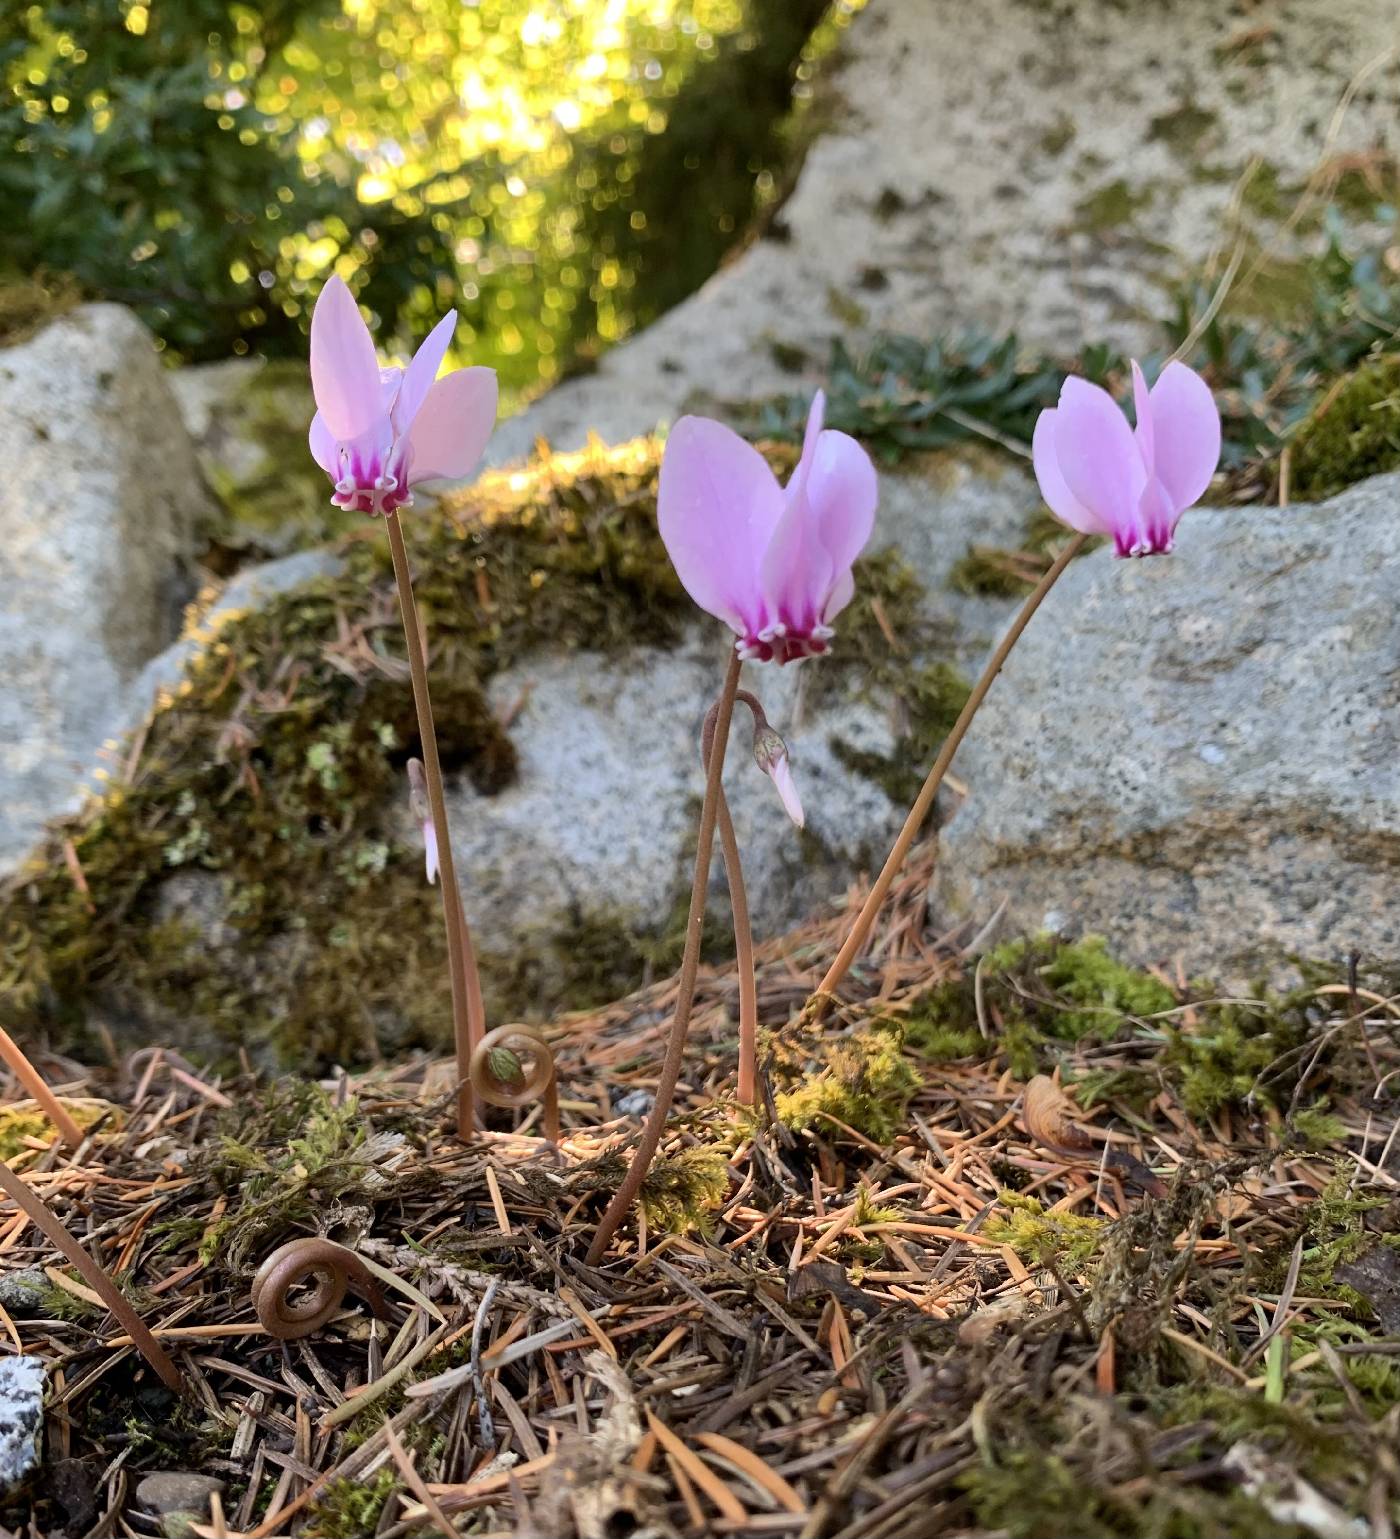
(23, 1121)
(864, 1082)
(1065, 1239)
(682, 1191)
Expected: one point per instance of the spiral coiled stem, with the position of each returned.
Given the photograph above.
(512, 1066)
(334, 1268)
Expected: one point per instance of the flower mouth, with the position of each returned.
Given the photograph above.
(780, 643)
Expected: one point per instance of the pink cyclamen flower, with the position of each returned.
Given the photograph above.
(379, 432)
(1101, 476)
(773, 564)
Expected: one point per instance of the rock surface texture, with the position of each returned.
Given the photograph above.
(21, 1417)
(1199, 755)
(1043, 169)
(97, 510)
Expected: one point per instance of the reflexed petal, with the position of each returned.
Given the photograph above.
(1142, 410)
(324, 448)
(842, 490)
(781, 773)
(816, 415)
(344, 370)
(1186, 422)
(842, 592)
(1098, 455)
(717, 505)
(1058, 497)
(451, 427)
(422, 371)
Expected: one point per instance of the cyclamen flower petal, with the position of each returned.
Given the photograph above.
(774, 566)
(430, 851)
(379, 432)
(1100, 476)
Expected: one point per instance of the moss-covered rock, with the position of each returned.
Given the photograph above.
(1353, 433)
(255, 881)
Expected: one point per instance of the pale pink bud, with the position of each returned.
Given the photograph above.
(771, 755)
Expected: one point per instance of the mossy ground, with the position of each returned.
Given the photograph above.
(894, 1249)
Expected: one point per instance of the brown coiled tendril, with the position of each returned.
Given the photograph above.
(533, 1058)
(334, 1268)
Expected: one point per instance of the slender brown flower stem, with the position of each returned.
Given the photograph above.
(860, 930)
(623, 1198)
(739, 903)
(34, 1083)
(39, 1212)
(468, 1014)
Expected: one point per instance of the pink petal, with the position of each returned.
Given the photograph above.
(1099, 457)
(430, 848)
(1142, 411)
(842, 491)
(717, 505)
(325, 450)
(816, 415)
(1058, 497)
(781, 773)
(797, 574)
(1186, 421)
(344, 370)
(843, 590)
(451, 427)
(422, 371)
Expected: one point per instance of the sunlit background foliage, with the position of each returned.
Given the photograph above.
(559, 170)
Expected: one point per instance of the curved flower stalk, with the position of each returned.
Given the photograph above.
(513, 1066)
(771, 755)
(774, 565)
(1098, 475)
(377, 434)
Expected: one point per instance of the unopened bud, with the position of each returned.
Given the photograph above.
(771, 755)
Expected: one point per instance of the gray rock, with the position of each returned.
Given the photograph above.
(21, 1417)
(99, 500)
(252, 588)
(178, 1498)
(601, 818)
(1199, 756)
(23, 1293)
(1042, 169)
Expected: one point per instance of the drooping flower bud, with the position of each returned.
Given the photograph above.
(771, 755)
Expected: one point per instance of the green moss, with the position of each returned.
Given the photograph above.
(272, 493)
(1027, 1493)
(1317, 1128)
(1077, 990)
(29, 303)
(942, 1025)
(1110, 207)
(1354, 432)
(864, 1081)
(1059, 136)
(990, 572)
(1240, 1051)
(1067, 1239)
(350, 1509)
(1182, 129)
(682, 1192)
